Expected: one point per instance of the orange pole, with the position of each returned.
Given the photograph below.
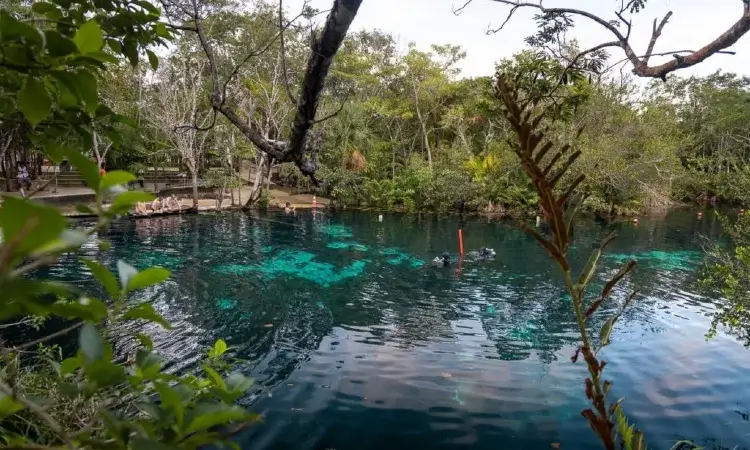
(461, 242)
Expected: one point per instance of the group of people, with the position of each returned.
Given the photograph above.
(168, 204)
(483, 254)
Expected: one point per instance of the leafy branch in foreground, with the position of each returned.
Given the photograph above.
(559, 206)
(88, 398)
(728, 272)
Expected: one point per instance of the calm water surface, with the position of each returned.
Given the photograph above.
(356, 342)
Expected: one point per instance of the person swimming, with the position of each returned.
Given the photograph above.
(482, 253)
(444, 260)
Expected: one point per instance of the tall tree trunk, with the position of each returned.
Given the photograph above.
(258, 180)
(423, 127)
(268, 174)
(194, 175)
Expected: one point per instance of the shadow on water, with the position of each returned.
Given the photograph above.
(356, 341)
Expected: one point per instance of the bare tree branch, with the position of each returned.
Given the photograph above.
(640, 64)
(287, 86)
(325, 45)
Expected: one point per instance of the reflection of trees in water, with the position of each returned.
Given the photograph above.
(517, 300)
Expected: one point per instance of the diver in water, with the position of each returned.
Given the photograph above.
(443, 260)
(482, 253)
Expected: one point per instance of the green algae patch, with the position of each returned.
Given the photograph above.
(677, 260)
(336, 231)
(347, 245)
(226, 303)
(299, 264)
(398, 257)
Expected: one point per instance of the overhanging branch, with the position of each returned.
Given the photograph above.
(640, 64)
(325, 45)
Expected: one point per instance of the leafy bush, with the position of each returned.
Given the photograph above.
(50, 78)
(728, 273)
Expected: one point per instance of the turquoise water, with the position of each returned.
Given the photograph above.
(357, 342)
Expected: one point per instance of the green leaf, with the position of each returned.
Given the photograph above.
(70, 365)
(145, 341)
(220, 347)
(209, 416)
(57, 44)
(42, 7)
(34, 101)
(86, 88)
(84, 209)
(161, 30)
(114, 178)
(125, 271)
(238, 383)
(86, 308)
(68, 240)
(170, 400)
(40, 224)
(83, 84)
(114, 45)
(88, 169)
(606, 331)
(8, 406)
(588, 272)
(152, 59)
(104, 276)
(130, 50)
(91, 343)
(146, 311)
(148, 7)
(149, 363)
(12, 28)
(105, 373)
(148, 277)
(215, 378)
(125, 200)
(89, 37)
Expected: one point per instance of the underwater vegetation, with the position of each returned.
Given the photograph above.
(676, 260)
(399, 257)
(336, 231)
(347, 245)
(226, 303)
(300, 264)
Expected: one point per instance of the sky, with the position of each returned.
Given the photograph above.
(426, 22)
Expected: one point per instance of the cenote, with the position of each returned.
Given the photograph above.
(356, 342)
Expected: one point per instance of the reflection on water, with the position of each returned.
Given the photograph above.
(356, 343)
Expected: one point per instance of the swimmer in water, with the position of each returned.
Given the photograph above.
(443, 260)
(483, 253)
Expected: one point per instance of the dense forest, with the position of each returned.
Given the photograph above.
(405, 130)
(209, 85)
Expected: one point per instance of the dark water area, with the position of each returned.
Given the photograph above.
(356, 342)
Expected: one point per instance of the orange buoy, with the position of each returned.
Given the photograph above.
(460, 242)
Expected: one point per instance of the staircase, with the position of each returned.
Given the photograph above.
(68, 179)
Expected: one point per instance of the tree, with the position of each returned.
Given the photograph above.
(191, 15)
(553, 23)
(178, 90)
(50, 73)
